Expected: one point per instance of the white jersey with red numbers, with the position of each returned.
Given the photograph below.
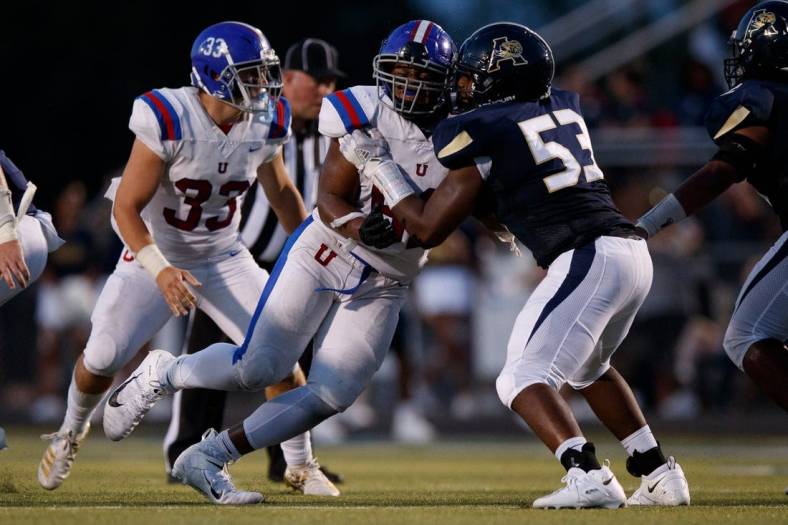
(358, 108)
(194, 214)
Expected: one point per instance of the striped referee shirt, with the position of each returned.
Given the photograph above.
(260, 229)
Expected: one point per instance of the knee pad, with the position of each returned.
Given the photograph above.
(260, 369)
(510, 383)
(103, 356)
(321, 406)
(336, 394)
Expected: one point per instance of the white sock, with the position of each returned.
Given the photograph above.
(211, 368)
(79, 408)
(574, 442)
(298, 450)
(641, 440)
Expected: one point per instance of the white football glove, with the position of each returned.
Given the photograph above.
(369, 152)
(364, 148)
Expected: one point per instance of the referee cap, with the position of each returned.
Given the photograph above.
(313, 56)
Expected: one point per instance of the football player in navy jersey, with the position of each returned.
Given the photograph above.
(749, 123)
(26, 233)
(525, 147)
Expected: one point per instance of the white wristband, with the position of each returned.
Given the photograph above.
(7, 217)
(668, 211)
(389, 180)
(341, 221)
(151, 258)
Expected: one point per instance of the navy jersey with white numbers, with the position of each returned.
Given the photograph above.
(17, 182)
(758, 103)
(539, 171)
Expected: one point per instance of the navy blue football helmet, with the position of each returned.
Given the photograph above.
(425, 47)
(234, 62)
(503, 61)
(760, 44)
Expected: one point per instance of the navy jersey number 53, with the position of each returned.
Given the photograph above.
(538, 163)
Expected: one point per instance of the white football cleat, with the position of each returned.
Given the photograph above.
(129, 402)
(59, 456)
(310, 480)
(665, 486)
(201, 467)
(596, 488)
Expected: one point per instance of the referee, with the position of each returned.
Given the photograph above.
(310, 73)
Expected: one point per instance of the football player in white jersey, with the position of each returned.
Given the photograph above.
(197, 150)
(341, 279)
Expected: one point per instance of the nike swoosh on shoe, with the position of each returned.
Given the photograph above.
(113, 399)
(215, 494)
(652, 487)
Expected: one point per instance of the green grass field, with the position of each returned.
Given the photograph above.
(732, 481)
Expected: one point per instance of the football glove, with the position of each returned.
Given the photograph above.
(377, 231)
(363, 146)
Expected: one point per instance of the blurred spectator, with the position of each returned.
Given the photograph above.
(625, 100)
(67, 293)
(699, 89)
(444, 293)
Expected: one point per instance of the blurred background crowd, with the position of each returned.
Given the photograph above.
(646, 71)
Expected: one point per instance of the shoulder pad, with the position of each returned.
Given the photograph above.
(280, 124)
(163, 109)
(455, 141)
(748, 104)
(348, 109)
(570, 98)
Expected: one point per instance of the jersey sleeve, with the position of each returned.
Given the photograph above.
(348, 109)
(748, 104)
(459, 144)
(155, 121)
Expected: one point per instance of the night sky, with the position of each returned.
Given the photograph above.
(72, 69)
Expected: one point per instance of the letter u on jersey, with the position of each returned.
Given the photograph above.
(324, 258)
(222, 167)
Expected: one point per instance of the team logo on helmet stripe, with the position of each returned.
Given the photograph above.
(505, 49)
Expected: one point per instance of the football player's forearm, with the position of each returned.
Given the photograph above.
(332, 207)
(705, 185)
(702, 187)
(132, 229)
(430, 230)
(289, 208)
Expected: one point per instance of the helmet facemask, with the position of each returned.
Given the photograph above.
(733, 64)
(406, 95)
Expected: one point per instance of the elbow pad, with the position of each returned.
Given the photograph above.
(741, 152)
